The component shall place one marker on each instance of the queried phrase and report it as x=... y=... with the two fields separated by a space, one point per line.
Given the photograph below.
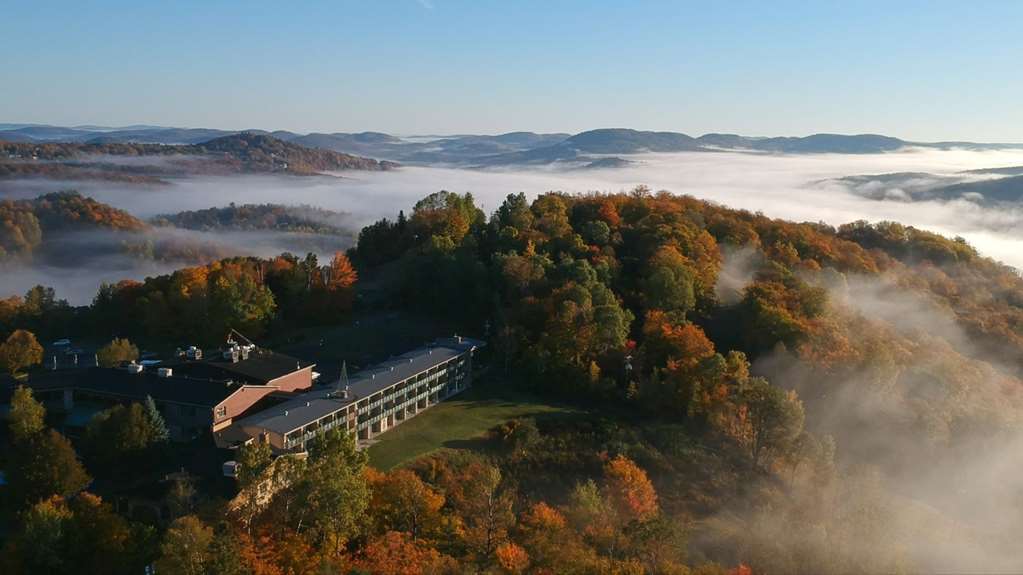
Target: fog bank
x=794 y=187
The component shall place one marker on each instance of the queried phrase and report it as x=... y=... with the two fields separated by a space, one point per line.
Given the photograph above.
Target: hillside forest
x=762 y=396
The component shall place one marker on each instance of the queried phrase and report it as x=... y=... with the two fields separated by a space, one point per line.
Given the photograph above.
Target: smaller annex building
x=192 y=393
x=371 y=402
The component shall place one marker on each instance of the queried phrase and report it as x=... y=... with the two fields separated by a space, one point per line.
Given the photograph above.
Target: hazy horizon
x=408 y=135
x=449 y=66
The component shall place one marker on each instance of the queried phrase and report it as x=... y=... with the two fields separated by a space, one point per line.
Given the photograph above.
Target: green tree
x=775 y=417
x=45 y=466
x=514 y=213
x=120 y=431
x=186 y=547
x=21 y=350
x=99 y=540
x=486 y=506
x=592 y=513
x=334 y=489
x=237 y=301
x=253 y=459
x=658 y=542
x=156 y=420
x=40 y=300
x=26 y=419
x=37 y=548
x=117 y=351
x=612 y=326
x=225 y=553
x=669 y=283
x=81 y=534
x=444 y=214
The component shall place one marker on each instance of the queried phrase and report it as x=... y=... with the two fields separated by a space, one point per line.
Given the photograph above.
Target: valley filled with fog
x=799 y=187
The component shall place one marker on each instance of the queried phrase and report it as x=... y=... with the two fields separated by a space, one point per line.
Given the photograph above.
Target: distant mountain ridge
x=621 y=141
x=245 y=152
x=988 y=186
x=510 y=149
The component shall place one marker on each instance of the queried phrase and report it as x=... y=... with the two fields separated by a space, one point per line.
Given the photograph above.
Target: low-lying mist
x=928 y=437
x=77 y=263
x=795 y=187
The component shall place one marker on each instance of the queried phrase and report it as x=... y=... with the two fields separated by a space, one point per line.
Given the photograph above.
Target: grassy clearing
x=457 y=422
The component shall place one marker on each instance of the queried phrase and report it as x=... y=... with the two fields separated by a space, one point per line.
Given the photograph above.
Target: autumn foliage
x=629 y=490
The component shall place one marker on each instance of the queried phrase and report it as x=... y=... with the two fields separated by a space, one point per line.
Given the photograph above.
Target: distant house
x=373 y=401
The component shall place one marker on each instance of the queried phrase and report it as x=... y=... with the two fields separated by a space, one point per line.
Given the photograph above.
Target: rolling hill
x=151 y=163
x=470 y=150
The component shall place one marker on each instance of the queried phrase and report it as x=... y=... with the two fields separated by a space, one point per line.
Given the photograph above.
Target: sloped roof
x=314 y=405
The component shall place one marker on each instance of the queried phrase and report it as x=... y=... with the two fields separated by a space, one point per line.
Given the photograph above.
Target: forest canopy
x=768 y=395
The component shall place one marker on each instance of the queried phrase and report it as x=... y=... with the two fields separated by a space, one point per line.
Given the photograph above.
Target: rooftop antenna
x=231 y=335
x=342 y=380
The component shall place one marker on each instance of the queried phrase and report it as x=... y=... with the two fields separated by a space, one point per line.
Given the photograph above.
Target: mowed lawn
x=454 y=423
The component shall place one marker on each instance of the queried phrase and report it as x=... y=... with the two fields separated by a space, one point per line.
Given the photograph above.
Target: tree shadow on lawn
x=483 y=442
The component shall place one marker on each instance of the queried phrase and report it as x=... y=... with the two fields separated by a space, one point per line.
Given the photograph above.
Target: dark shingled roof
x=135 y=386
x=260 y=368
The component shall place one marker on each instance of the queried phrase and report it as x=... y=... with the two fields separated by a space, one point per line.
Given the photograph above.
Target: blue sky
x=919 y=70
